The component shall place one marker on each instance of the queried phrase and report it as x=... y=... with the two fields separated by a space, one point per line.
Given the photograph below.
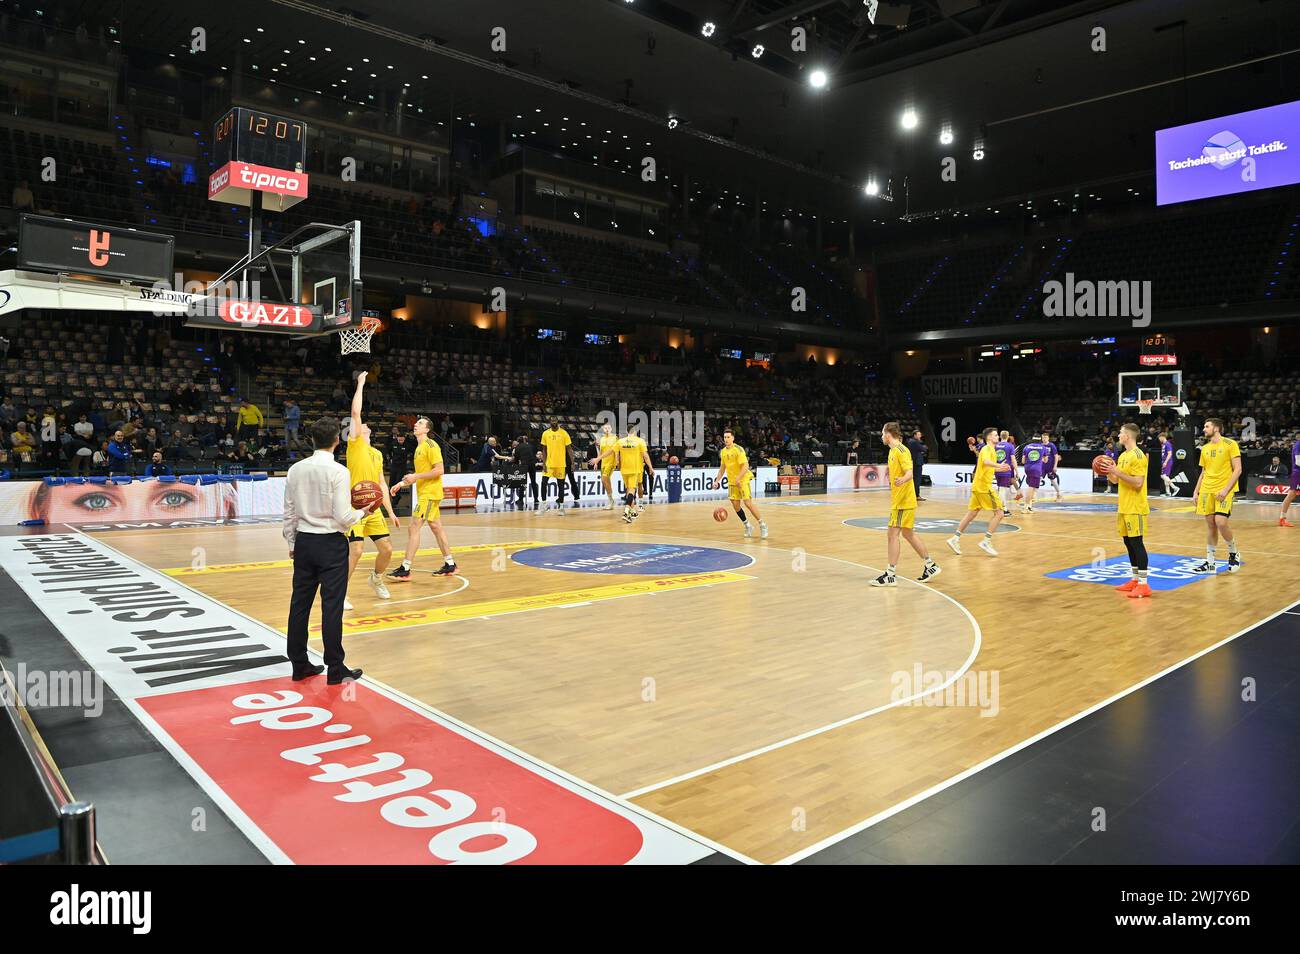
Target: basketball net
x=357 y=340
x=1144 y=407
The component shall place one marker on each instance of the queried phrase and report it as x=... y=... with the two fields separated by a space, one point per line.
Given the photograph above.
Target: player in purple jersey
x=1006 y=479
x=1167 y=465
x=1051 y=459
x=1111 y=451
x=1295 y=483
x=1033 y=457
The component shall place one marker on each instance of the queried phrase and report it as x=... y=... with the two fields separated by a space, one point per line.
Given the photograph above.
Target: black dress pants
x=320 y=561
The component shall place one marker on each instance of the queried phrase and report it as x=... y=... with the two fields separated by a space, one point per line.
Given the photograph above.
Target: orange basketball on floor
x=1099 y=465
x=720 y=514
x=366 y=493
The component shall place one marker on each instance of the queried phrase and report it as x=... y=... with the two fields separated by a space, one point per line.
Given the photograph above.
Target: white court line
x=934 y=790
x=263 y=842
x=434 y=596
x=782 y=743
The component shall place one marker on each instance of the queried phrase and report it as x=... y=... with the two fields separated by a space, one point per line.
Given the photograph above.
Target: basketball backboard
x=1163 y=388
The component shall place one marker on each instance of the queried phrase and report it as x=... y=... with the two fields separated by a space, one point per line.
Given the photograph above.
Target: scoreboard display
x=260 y=139
x=1158 y=351
x=258 y=158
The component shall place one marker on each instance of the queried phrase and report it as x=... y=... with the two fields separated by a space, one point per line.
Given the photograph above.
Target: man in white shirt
x=318 y=513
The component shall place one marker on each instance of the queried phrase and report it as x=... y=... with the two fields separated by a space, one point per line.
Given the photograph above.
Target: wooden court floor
x=776 y=702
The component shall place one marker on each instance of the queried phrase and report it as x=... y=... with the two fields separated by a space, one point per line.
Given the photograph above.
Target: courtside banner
x=313 y=773
x=1073 y=480
x=857 y=477
x=697 y=484
x=143 y=503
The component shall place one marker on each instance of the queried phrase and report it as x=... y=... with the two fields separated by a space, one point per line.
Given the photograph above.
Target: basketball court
x=659 y=663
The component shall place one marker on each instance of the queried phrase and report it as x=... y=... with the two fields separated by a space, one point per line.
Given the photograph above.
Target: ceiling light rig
x=818 y=78
x=945 y=135
x=757 y=51
x=709 y=28
x=673 y=122
x=909 y=119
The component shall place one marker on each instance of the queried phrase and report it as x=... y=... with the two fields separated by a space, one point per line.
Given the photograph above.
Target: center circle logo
x=628 y=558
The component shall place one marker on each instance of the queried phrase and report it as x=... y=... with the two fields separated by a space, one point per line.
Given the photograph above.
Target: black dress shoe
x=307 y=672
x=343 y=675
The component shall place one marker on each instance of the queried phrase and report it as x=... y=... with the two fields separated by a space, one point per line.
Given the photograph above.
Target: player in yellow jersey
x=555 y=441
x=735 y=463
x=632 y=456
x=605 y=441
x=366 y=463
x=982 y=496
x=902 y=508
x=1130 y=473
x=426 y=502
x=1220 y=472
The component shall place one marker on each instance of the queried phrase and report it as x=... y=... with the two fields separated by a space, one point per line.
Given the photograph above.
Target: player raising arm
x=364 y=462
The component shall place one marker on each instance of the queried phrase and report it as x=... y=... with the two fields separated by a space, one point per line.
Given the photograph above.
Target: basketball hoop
x=357 y=340
x=1144 y=407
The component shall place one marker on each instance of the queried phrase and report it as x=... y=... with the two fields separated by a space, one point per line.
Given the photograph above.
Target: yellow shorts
x=555 y=472
x=1131 y=524
x=631 y=480
x=607 y=467
x=903 y=518
x=739 y=492
x=1209 y=503
x=372 y=526
x=984 y=500
x=427 y=508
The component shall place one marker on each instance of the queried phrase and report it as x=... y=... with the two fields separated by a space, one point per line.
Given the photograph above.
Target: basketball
x=673 y=459
x=970 y=442
x=1099 y=465
x=366 y=493
x=720 y=514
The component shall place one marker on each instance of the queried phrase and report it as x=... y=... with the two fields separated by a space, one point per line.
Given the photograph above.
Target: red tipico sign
x=370 y=781
x=246 y=176
x=255 y=313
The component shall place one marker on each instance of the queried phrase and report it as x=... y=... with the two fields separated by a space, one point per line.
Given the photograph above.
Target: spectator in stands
x=242 y=454
x=83 y=428
x=1275 y=468
x=156 y=467
x=8 y=412
x=23 y=200
x=175 y=449
x=119 y=453
x=250 y=419
x=292 y=422
x=22 y=441
x=101 y=458
x=148 y=442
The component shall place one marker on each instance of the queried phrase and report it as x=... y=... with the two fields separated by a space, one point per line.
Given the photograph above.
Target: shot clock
x=256 y=151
